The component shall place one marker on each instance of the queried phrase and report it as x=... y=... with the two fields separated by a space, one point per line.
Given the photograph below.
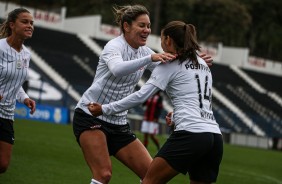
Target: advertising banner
x=43 y=113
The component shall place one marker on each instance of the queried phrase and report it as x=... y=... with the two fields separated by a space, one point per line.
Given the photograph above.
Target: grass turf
x=48 y=153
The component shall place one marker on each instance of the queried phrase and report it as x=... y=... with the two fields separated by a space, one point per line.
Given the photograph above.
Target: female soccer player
x=120 y=67
x=14 y=64
x=196 y=146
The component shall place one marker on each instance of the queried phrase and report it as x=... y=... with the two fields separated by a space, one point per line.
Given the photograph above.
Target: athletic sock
x=95 y=182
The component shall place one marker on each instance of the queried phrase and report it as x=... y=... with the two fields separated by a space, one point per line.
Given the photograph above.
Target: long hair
x=5 y=30
x=185 y=39
x=128 y=14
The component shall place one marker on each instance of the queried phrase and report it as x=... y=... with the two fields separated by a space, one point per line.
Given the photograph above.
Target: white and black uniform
x=189 y=88
x=195 y=146
x=13 y=72
x=119 y=70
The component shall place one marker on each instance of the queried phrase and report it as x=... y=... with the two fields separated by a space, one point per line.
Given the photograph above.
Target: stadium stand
x=259 y=107
x=66 y=54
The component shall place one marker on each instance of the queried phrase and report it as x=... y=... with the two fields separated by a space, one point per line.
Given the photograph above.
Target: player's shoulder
x=3 y=44
x=26 y=49
x=117 y=42
x=201 y=61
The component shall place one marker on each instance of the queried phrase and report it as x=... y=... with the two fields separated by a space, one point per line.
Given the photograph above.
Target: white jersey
x=13 y=72
x=189 y=88
x=119 y=70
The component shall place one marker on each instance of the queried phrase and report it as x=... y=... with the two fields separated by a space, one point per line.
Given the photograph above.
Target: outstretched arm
x=126 y=103
x=121 y=68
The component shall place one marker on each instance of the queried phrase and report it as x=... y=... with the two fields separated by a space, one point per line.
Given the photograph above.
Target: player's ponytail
x=185 y=40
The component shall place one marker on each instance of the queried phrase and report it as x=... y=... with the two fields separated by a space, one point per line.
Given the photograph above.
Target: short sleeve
x=161 y=76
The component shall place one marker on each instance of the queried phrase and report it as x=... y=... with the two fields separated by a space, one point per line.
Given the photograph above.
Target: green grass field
x=46 y=153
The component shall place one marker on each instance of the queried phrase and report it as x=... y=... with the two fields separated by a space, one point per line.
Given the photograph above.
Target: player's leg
x=136 y=157
x=159 y=172
x=5 y=155
x=145 y=140
x=6 y=143
x=145 y=131
x=155 y=140
x=154 y=130
x=94 y=146
x=93 y=142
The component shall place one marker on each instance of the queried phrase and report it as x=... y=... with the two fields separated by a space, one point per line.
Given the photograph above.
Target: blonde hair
x=5 y=30
x=128 y=14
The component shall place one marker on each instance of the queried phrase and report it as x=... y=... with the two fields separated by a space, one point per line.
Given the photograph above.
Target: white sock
x=95 y=182
x=140 y=181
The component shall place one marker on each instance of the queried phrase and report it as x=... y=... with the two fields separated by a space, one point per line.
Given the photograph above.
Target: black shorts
x=7 y=133
x=196 y=154
x=117 y=136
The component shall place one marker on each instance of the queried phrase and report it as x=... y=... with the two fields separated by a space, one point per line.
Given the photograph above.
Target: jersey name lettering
x=192 y=66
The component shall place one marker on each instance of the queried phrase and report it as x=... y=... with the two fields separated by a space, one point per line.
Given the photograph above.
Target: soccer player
x=150 y=123
x=14 y=64
x=195 y=147
x=121 y=65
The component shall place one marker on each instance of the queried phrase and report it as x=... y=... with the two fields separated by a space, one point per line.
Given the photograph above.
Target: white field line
x=247 y=174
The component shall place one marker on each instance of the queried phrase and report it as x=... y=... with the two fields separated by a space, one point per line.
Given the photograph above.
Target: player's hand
x=168 y=119
x=208 y=59
x=30 y=104
x=95 y=109
x=162 y=57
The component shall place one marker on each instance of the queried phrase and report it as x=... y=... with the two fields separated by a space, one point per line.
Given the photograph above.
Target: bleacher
x=62 y=50
x=262 y=110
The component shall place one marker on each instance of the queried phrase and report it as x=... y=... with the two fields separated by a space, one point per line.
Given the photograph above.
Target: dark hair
x=185 y=39
x=5 y=30
x=128 y=14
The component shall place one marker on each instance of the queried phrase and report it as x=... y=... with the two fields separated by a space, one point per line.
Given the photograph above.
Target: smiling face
x=137 y=33
x=23 y=26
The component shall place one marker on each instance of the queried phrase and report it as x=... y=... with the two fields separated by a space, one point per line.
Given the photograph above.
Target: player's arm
x=24 y=98
x=128 y=102
x=119 y=67
x=21 y=95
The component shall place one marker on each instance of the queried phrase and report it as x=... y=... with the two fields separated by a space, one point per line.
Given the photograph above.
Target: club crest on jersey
x=19 y=64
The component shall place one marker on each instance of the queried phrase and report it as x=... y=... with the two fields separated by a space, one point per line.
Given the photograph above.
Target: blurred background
x=244 y=37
